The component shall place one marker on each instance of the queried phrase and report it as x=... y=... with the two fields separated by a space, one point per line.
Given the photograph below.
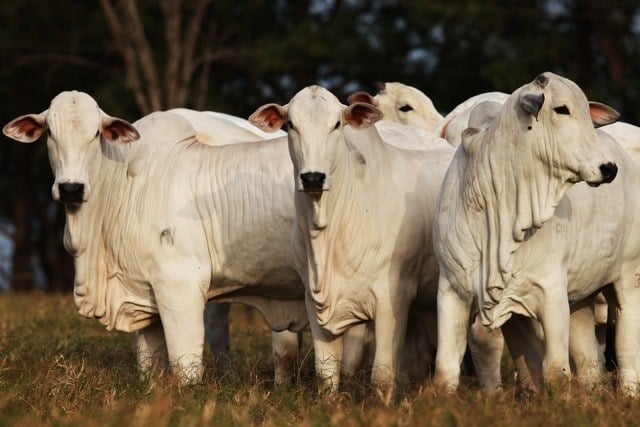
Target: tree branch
x=190 y=43
x=144 y=55
x=128 y=56
x=175 y=55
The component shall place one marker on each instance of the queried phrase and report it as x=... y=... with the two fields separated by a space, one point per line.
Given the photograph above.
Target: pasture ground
x=58 y=368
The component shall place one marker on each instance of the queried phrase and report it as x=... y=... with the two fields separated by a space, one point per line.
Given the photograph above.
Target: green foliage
x=57 y=368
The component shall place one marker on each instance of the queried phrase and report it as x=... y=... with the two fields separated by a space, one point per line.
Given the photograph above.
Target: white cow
x=362 y=232
x=214 y=128
x=486 y=348
x=513 y=234
x=161 y=225
x=486 y=105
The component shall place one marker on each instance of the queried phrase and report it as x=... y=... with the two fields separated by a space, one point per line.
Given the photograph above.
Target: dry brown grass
x=59 y=368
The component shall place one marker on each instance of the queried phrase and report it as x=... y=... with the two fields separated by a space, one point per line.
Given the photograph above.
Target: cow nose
x=609 y=172
x=71 y=192
x=313 y=180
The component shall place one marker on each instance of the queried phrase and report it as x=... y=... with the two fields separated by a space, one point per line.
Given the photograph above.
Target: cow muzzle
x=313 y=181
x=71 y=193
x=607 y=173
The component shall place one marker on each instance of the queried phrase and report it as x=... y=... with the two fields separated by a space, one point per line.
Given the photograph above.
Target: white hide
x=363 y=242
x=168 y=223
x=514 y=234
x=409 y=137
x=451 y=127
x=407 y=105
x=214 y=128
x=485 y=347
x=627 y=135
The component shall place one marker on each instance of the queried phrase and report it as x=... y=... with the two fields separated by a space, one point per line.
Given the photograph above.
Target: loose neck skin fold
x=326 y=212
x=511 y=191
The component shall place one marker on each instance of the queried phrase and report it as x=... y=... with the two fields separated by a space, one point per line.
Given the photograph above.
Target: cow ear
x=443 y=128
x=483 y=114
x=27 y=128
x=269 y=117
x=532 y=103
x=471 y=140
x=118 y=131
x=361 y=115
x=602 y=114
x=362 y=97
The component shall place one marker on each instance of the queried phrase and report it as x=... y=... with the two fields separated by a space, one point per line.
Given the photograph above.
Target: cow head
x=556 y=124
x=314 y=118
x=406 y=105
x=74 y=125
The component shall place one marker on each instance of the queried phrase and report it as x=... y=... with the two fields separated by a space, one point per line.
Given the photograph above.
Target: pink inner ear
x=362 y=115
x=26 y=129
x=29 y=128
x=602 y=114
x=361 y=97
x=443 y=132
x=270 y=118
x=119 y=131
x=273 y=118
x=109 y=134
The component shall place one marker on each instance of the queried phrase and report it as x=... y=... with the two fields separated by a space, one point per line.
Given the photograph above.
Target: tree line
x=138 y=56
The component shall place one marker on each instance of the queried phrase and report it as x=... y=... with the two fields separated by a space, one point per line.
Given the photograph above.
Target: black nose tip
x=313 y=181
x=609 y=172
x=71 y=192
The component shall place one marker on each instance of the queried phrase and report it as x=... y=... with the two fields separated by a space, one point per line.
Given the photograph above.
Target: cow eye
x=562 y=110
x=97 y=133
x=337 y=125
x=290 y=126
x=48 y=132
x=406 y=108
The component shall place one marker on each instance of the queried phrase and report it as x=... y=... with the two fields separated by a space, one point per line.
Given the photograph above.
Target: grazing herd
x=382 y=225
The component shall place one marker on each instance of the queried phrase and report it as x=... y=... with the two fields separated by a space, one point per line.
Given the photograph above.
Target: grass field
x=57 y=368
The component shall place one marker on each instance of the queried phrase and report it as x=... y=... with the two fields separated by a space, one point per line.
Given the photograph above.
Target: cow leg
x=583 y=345
x=327 y=352
x=181 y=307
x=628 y=332
x=285 y=346
x=216 y=319
x=486 y=351
x=151 y=349
x=390 y=327
x=453 y=323
x=601 y=311
x=354 y=348
x=554 y=317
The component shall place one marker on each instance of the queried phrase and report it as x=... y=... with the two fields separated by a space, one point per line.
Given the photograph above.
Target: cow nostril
x=71 y=192
x=609 y=172
x=313 y=180
x=313 y=177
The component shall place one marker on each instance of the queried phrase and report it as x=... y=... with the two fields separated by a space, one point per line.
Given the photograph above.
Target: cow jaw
x=319 y=218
